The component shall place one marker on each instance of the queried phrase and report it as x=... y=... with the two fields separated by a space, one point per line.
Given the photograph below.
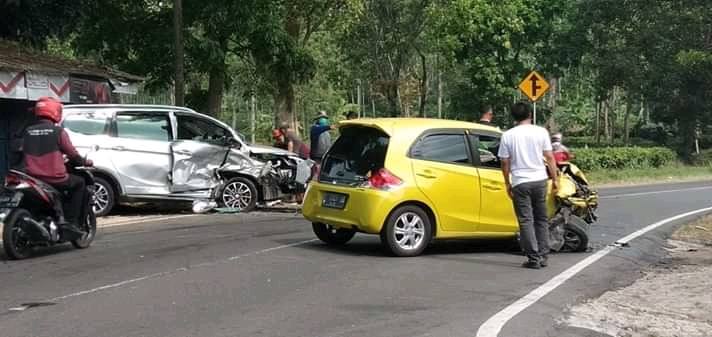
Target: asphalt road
x=264 y=275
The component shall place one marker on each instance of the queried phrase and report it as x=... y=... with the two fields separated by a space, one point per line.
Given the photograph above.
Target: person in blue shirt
x=320 y=136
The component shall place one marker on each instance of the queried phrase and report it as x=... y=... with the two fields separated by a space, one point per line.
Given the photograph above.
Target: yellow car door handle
x=426 y=175
x=493 y=187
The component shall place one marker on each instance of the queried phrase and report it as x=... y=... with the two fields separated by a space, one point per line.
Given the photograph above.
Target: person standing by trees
x=320 y=137
x=522 y=150
x=293 y=143
x=486 y=117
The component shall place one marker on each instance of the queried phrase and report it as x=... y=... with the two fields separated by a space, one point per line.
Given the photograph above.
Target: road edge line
x=493 y=325
x=148 y=219
x=164 y=273
x=616 y=196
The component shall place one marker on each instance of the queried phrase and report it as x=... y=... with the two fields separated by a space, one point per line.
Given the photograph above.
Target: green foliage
x=583 y=142
x=31 y=22
x=617 y=68
x=704 y=158
x=614 y=158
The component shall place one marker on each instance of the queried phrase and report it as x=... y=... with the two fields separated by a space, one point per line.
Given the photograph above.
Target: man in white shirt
x=523 y=151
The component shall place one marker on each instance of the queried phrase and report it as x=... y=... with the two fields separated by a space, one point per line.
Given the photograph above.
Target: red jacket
x=43 y=145
x=561 y=156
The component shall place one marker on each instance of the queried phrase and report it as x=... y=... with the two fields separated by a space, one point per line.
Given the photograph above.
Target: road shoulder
x=674 y=293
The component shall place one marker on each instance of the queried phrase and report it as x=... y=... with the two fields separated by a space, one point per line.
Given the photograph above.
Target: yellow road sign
x=534 y=86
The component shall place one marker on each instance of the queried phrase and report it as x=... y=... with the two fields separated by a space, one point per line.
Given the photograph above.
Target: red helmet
x=49 y=107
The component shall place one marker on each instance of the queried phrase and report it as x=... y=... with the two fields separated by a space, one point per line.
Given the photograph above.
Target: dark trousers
x=530 y=206
x=75 y=186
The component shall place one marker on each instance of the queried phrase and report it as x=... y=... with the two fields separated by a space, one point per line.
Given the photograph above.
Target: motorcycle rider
x=44 y=143
x=561 y=152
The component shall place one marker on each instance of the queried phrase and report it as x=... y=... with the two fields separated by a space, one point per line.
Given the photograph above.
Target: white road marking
x=654 y=192
x=151 y=276
x=494 y=324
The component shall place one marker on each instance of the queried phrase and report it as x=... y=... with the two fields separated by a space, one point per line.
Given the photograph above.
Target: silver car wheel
x=409 y=231
x=101 y=198
x=237 y=195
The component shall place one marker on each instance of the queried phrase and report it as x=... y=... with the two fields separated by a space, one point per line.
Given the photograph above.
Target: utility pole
x=179 y=87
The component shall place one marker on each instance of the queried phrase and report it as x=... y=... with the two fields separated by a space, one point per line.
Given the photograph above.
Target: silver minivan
x=158 y=152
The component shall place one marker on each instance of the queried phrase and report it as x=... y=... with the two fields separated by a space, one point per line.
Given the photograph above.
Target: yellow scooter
x=572 y=210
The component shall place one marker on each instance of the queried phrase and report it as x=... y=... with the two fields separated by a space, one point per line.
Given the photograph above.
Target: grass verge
x=699 y=231
x=653 y=175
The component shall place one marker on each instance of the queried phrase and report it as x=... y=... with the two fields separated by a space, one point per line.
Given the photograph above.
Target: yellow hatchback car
x=411 y=180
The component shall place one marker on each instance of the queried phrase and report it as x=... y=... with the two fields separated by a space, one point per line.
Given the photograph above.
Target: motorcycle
x=29 y=215
x=575 y=205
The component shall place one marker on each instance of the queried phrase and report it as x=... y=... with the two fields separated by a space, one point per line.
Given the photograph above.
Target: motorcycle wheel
x=89 y=227
x=575 y=235
x=16 y=248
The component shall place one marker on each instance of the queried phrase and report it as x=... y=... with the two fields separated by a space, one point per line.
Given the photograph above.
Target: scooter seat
x=43 y=185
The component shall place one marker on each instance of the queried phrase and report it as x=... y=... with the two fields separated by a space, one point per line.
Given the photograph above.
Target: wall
x=14 y=117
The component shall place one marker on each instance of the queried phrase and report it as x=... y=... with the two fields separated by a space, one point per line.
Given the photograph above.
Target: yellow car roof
x=415 y=125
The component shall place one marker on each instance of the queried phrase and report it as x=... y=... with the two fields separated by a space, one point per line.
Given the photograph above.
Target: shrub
x=587 y=141
x=624 y=158
x=704 y=158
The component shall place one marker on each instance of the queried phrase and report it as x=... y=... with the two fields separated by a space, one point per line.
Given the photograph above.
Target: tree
x=496 y=42
x=280 y=49
x=32 y=22
x=383 y=39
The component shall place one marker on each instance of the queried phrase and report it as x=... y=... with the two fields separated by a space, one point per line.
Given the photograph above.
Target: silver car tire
x=240 y=193
x=104 y=197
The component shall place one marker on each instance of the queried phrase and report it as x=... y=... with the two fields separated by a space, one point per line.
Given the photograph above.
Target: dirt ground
x=670 y=301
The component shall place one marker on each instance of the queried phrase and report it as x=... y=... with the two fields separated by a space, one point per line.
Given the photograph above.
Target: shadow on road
x=40 y=252
x=151 y=209
x=373 y=248
x=175 y=208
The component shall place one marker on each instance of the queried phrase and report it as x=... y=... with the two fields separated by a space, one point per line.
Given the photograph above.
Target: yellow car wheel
x=407 y=231
x=332 y=236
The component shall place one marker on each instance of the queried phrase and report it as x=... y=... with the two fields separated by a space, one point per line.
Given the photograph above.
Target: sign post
x=534 y=86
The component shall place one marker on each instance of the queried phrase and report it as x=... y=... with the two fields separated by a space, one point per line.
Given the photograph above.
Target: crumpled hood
x=267 y=149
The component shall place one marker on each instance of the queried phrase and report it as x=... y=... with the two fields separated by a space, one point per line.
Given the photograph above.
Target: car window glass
x=201 y=130
x=487 y=147
x=357 y=152
x=448 y=148
x=143 y=125
x=87 y=123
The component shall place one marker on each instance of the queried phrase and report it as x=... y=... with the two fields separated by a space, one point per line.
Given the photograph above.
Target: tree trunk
x=551 y=121
x=598 y=120
x=626 y=125
x=424 y=92
x=440 y=90
x=358 y=97
x=216 y=89
x=392 y=96
x=613 y=114
x=252 y=117
x=606 y=109
x=179 y=87
x=373 y=105
x=284 y=106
